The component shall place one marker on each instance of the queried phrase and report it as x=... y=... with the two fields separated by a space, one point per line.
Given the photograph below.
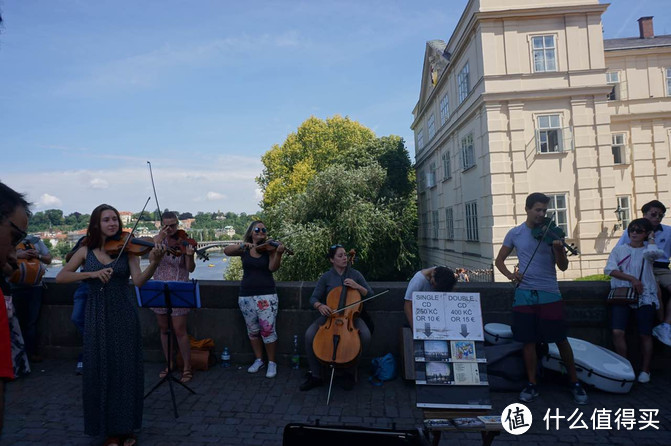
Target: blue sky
x=92 y=89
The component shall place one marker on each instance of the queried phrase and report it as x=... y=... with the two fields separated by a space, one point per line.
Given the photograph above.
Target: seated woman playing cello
x=340 y=275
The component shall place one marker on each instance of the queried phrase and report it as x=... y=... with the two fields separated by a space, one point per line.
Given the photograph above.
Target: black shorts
x=645 y=317
x=539 y=323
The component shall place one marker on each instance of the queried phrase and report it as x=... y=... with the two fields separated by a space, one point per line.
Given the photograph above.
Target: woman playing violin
x=113 y=373
x=174 y=268
x=339 y=275
x=258 y=296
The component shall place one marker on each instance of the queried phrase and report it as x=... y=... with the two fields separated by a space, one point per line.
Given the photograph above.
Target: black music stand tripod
x=168 y=295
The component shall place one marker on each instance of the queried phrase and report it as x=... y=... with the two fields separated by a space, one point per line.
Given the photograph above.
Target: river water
x=210 y=270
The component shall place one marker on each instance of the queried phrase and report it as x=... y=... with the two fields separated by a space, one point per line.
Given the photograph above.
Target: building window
x=449 y=224
x=668 y=81
x=432 y=126
x=467 y=153
x=435 y=223
x=557 y=205
x=463 y=83
x=420 y=139
x=618 y=148
x=444 y=109
x=613 y=78
x=422 y=180
x=548 y=134
x=472 y=221
x=425 y=224
x=447 y=166
x=544 y=53
x=623 y=206
x=431 y=176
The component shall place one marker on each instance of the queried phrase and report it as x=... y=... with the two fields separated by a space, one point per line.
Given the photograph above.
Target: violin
x=271 y=245
x=136 y=246
x=548 y=232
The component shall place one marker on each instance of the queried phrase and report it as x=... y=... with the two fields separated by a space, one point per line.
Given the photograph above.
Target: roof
x=636 y=42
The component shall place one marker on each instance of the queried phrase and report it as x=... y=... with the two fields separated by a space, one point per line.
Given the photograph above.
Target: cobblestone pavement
x=233 y=407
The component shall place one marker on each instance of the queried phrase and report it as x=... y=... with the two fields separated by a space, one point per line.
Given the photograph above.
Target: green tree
x=316 y=145
x=55 y=217
x=345 y=206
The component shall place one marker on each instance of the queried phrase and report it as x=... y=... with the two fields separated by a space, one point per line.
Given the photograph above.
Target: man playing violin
x=174 y=268
x=538 y=309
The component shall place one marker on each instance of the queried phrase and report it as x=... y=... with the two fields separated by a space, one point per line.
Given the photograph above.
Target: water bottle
x=295 y=357
x=225 y=358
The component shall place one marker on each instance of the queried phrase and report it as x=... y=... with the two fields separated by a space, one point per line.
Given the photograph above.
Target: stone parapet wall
x=220 y=319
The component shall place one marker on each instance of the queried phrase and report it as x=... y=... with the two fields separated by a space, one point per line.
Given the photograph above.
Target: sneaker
x=529 y=393
x=663 y=333
x=644 y=377
x=80 y=368
x=310 y=383
x=579 y=394
x=272 y=370
x=256 y=366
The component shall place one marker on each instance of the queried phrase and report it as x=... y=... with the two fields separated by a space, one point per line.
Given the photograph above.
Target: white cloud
x=212 y=196
x=47 y=200
x=99 y=183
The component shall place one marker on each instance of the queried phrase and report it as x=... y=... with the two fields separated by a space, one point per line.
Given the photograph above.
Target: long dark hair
x=248 y=234
x=94 y=236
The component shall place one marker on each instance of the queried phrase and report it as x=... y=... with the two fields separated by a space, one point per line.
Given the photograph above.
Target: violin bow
x=547 y=228
x=158 y=206
x=125 y=243
x=360 y=301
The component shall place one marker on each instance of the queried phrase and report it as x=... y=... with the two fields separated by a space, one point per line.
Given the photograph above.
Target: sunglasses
x=656 y=214
x=638 y=231
x=337 y=246
x=257 y=230
x=20 y=236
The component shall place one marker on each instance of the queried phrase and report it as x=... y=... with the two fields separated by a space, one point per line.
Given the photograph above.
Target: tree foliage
x=316 y=145
x=361 y=196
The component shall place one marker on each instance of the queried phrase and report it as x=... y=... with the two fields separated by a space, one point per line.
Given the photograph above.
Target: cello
x=337 y=342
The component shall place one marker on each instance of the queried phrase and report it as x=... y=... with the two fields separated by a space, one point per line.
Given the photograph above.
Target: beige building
x=527 y=96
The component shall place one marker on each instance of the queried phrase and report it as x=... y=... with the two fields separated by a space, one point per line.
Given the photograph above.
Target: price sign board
x=450 y=316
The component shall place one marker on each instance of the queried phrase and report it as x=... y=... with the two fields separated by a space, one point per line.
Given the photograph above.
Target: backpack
x=383 y=369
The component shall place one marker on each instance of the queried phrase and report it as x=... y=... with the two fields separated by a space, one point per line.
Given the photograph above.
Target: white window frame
x=545 y=130
x=467 y=152
x=668 y=81
x=449 y=223
x=464 y=83
x=444 y=109
x=435 y=224
x=544 y=53
x=420 y=139
x=558 y=205
x=619 y=148
x=447 y=166
x=431 y=125
x=613 y=78
x=471 y=221
x=624 y=203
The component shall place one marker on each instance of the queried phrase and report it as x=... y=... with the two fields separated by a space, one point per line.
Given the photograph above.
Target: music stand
x=169 y=295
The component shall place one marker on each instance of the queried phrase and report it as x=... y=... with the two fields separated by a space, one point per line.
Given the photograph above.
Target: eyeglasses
x=638 y=231
x=21 y=234
x=257 y=230
x=656 y=214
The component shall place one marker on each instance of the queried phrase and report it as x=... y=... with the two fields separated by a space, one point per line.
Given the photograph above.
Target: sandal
x=130 y=440
x=164 y=373
x=187 y=375
x=112 y=441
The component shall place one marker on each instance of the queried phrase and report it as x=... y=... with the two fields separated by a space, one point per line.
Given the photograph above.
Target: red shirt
x=6 y=367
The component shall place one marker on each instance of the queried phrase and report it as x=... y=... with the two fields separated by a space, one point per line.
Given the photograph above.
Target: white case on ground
x=496 y=333
x=595 y=366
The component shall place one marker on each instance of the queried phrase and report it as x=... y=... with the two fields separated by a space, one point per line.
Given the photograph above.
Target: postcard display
x=450 y=365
